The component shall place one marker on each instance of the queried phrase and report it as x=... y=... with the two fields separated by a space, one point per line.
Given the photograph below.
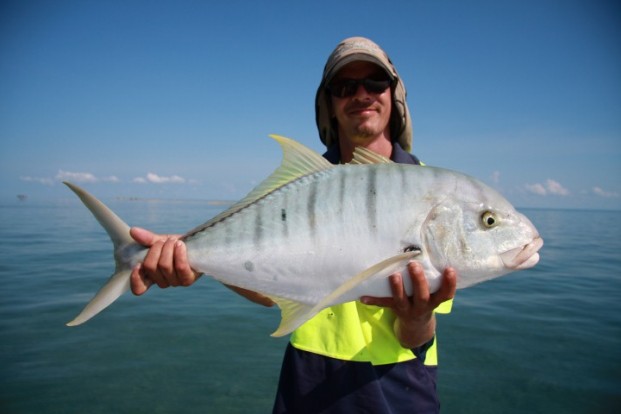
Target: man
x=376 y=355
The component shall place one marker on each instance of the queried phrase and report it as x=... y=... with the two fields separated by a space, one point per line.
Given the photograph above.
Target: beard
x=365 y=130
x=364 y=126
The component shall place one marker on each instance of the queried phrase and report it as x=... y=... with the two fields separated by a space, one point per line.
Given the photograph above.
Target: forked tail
x=126 y=255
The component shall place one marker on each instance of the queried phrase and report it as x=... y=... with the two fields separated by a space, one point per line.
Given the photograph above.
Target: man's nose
x=361 y=93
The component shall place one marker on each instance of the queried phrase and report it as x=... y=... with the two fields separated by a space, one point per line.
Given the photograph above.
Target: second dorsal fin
x=366 y=156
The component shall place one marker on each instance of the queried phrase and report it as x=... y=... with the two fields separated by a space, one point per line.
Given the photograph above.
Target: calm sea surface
x=545 y=340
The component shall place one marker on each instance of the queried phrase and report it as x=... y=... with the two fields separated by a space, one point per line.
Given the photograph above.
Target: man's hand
x=166 y=263
x=415 y=323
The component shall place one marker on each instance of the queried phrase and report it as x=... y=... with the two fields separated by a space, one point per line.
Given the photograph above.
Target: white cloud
x=40 y=180
x=603 y=193
x=549 y=187
x=86 y=177
x=154 y=178
x=158 y=179
x=78 y=177
x=538 y=189
x=554 y=187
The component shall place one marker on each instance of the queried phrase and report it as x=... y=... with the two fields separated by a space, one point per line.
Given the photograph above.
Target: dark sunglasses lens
x=376 y=86
x=348 y=87
x=343 y=88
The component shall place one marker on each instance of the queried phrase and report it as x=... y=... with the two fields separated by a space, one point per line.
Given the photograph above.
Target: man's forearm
x=252 y=296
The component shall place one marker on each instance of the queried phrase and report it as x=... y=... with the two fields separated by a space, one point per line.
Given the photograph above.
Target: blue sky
x=175 y=99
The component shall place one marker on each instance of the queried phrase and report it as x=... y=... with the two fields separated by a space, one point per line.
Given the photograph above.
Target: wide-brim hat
x=356 y=49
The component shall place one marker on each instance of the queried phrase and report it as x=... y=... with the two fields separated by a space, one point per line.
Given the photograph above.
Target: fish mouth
x=523 y=257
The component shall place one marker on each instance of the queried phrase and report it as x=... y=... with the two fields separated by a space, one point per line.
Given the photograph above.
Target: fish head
x=478 y=232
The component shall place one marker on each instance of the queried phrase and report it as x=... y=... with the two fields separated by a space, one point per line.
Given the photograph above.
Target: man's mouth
x=361 y=110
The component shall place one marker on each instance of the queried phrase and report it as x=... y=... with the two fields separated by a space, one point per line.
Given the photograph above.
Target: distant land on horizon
x=25 y=199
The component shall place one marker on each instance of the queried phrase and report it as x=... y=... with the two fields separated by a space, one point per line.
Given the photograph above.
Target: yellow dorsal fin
x=298 y=161
x=366 y=156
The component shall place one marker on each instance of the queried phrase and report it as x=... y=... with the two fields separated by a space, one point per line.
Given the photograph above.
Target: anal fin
x=293 y=314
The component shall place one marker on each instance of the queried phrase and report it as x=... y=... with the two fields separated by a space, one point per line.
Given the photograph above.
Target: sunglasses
x=344 y=88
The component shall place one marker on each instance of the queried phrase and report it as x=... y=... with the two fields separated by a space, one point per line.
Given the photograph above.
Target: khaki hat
x=356 y=49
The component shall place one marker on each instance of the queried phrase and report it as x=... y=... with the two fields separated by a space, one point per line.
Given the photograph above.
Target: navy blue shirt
x=311 y=383
x=399 y=155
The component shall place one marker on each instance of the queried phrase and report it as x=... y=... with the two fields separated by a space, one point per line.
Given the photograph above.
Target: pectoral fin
x=294 y=314
x=381 y=269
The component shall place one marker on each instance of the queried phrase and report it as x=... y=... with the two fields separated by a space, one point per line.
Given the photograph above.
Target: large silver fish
x=315 y=234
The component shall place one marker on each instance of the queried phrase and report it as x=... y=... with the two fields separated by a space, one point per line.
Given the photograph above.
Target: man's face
x=364 y=115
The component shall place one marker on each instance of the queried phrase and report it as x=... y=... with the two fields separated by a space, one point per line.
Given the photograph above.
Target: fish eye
x=489 y=219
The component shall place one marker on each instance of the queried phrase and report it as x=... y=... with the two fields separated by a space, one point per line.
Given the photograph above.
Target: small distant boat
x=22 y=197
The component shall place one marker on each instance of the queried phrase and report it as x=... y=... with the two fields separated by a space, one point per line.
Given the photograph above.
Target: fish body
x=313 y=234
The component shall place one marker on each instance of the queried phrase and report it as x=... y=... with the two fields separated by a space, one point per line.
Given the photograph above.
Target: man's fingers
x=165 y=265
x=420 y=300
x=185 y=274
x=148 y=238
x=420 y=287
x=138 y=281
x=374 y=301
x=144 y=237
x=150 y=265
x=398 y=294
x=447 y=288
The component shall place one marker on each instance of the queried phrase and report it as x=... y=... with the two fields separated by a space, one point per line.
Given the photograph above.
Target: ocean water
x=545 y=340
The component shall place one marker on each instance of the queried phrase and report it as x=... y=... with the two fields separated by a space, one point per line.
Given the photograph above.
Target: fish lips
x=523 y=257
